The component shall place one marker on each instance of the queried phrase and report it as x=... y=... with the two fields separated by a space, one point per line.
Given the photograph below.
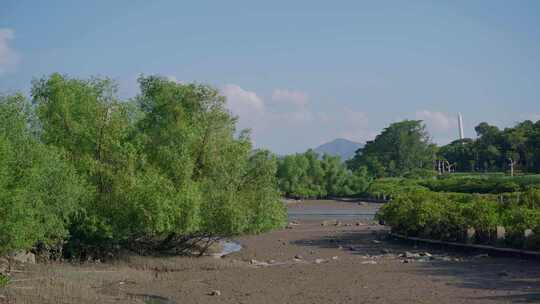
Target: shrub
x=39 y=190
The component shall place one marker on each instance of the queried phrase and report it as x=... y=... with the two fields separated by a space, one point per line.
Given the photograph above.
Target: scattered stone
x=320 y=261
x=215 y=293
x=259 y=263
x=329 y=223
x=411 y=255
x=338 y=223
x=370 y=262
x=24 y=257
x=348 y=225
x=446 y=259
x=335 y=258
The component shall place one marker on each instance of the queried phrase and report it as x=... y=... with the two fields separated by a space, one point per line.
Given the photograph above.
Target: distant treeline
x=405 y=149
x=81 y=169
x=308 y=175
x=495 y=149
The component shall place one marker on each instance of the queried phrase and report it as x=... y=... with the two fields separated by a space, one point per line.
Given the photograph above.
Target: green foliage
x=446 y=216
x=4 y=280
x=401 y=148
x=40 y=191
x=307 y=175
x=494 y=149
x=482 y=184
x=83 y=166
x=387 y=188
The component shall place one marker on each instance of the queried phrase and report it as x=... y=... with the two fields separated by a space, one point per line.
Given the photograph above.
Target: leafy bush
x=4 y=280
x=446 y=216
x=482 y=184
x=39 y=190
x=82 y=166
x=306 y=175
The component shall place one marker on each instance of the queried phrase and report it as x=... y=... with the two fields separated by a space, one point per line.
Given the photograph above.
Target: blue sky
x=298 y=73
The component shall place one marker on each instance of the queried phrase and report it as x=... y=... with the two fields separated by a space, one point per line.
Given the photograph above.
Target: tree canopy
x=401 y=148
x=494 y=149
x=101 y=171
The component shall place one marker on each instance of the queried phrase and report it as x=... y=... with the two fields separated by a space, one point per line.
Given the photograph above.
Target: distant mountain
x=342 y=147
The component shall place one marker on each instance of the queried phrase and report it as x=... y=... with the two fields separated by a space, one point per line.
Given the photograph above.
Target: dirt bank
x=310 y=263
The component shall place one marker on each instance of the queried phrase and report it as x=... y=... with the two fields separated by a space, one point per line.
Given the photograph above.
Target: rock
x=370 y=262
x=411 y=255
x=405 y=261
x=335 y=258
x=329 y=223
x=294 y=223
x=446 y=259
x=362 y=204
x=426 y=254
x=338 y=223
x=299 y=257
x=258 y=263
x=24 y=257
x=376 y=242
x=385 y=251
x=215 y=293
x=320 y=261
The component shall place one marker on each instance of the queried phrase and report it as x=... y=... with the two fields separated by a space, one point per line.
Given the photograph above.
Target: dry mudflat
x=310 y=261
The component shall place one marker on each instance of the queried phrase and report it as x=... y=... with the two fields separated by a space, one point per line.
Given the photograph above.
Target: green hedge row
x=447 y=216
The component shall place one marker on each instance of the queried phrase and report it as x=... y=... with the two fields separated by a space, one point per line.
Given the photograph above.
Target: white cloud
x=8 y=57
x=292 y=128
x=242 y=101
x=247 y=105
x=297 y=98
x=437 y=121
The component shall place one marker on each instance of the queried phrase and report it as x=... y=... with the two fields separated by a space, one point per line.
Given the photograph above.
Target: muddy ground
x=352 y=262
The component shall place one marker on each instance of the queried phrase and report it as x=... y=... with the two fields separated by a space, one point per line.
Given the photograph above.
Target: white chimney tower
x=460 y=126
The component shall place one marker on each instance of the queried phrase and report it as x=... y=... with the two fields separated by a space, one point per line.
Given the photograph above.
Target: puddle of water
x=227 y=247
